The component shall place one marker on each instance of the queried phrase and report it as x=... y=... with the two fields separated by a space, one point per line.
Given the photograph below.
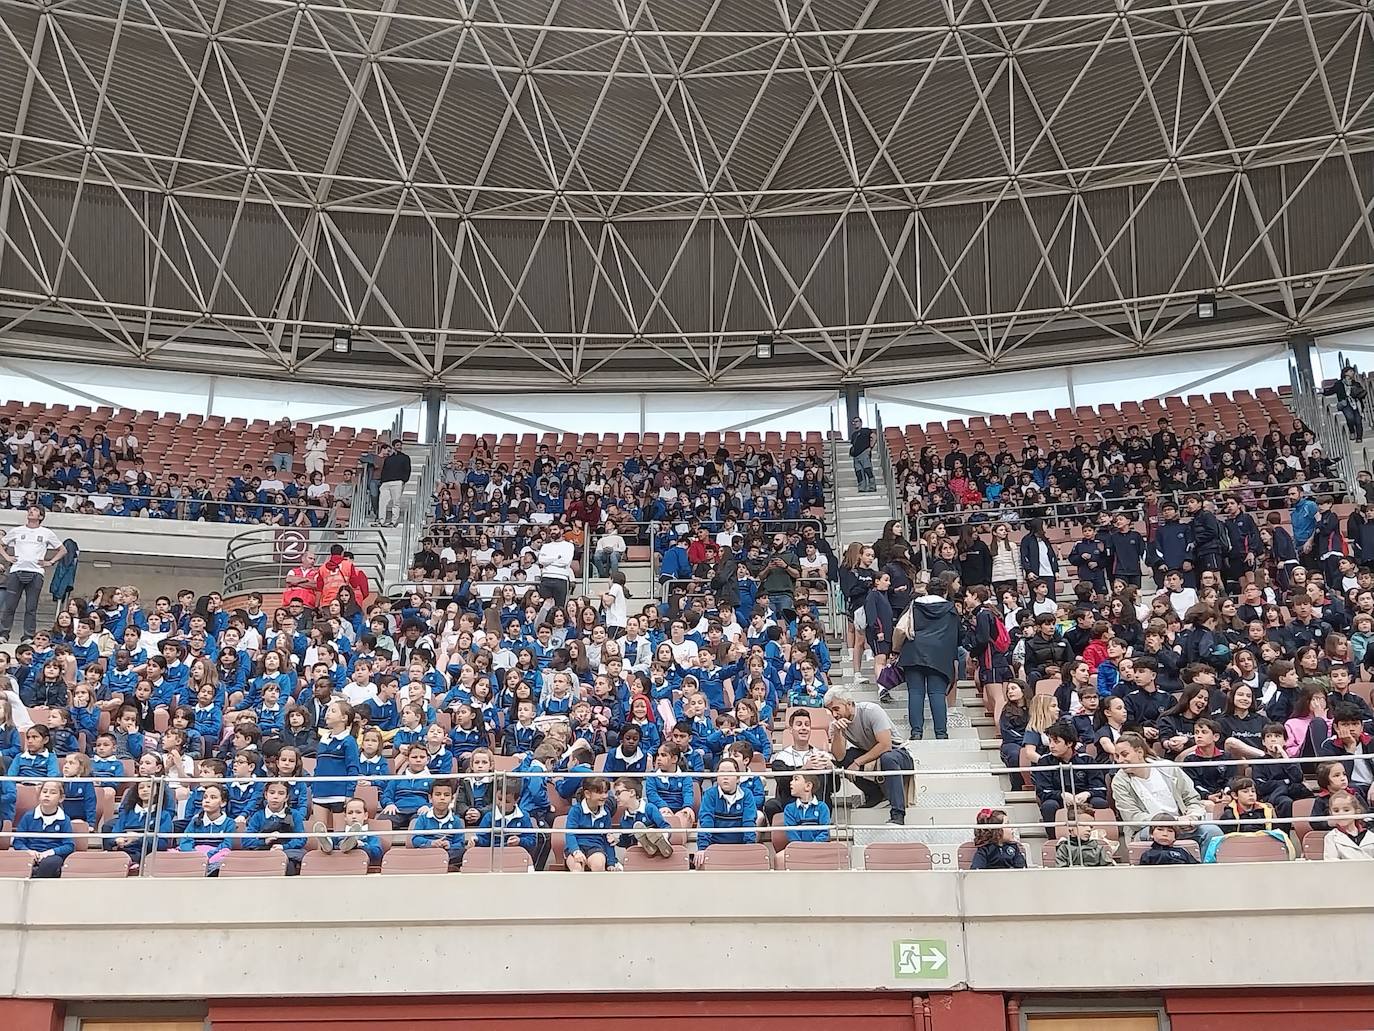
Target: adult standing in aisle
x=555 y=566
x=394 y=475
x=29 y=550
x=861 y=451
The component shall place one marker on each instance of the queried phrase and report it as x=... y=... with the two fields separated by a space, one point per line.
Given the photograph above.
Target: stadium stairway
x=859 y=516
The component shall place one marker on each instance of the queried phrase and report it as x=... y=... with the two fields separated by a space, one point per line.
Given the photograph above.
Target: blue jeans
x=283 y=460
x=920 y=683
x=863 y=470
x=606 y=562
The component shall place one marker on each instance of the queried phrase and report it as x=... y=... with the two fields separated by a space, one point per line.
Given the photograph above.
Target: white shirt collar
x=49 y=820
x=732 y=799
x=596 y=815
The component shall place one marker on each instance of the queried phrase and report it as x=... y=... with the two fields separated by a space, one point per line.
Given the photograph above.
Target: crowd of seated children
x=482 y=507
x=115 y=476
x=229 y=709
x=1059 y=478
x=1254 y=646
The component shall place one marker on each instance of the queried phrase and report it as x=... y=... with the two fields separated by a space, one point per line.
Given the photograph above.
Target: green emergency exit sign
x=920 y=957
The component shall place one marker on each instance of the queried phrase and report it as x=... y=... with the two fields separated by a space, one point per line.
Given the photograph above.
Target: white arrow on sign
x=934 y=960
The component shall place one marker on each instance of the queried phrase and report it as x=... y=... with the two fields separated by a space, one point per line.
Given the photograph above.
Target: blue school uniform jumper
x=36 y=766
x=802 y=820
x=152 y=832
x=38 y=832
x=727 y=819
x=644 y=816
x=80 y=803
x=430 y=831
x=336 y=769
x=409 y=795
x=498 y=826
x=585 y=831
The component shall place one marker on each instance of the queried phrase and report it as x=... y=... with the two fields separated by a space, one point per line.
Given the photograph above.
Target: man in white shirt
x=29 y=552
x=555 y=566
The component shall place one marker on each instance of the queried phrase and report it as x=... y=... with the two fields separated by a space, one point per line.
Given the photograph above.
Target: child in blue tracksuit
x=79 y=801
x=356 y=834
x=336 y=759
x=276 y=826
x=728 y=814
x=208 y=829
x=440 y=825
x=667 y=790
x=806 y=817
x=244 y=792
x=403 y=798
x=587 y=838
x=34 y=764
x=505 y=824
x=626 y=757
x=139 y=827
x=106 y=765
x=41 y=831
x=643 y=824
x=578 y=761
x=534 y=795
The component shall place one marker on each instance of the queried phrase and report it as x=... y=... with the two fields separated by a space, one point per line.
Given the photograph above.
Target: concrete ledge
x=531 y=933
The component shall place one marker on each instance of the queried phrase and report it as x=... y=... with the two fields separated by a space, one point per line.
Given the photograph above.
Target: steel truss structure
x=623 y=194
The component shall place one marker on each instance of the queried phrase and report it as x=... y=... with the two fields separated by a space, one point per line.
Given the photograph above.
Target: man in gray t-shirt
x=863 y=733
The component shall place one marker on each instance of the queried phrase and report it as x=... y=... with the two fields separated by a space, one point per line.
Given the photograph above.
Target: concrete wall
x=159 y=556
x=1041 y=930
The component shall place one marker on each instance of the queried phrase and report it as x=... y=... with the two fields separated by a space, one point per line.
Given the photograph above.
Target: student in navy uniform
x=728 y=813
x=667 y=790
x=336 y=759
x=140 y=826
x=995 y=844
x=44 y=831
x=626 y=757
x=644 y=825
x=1162 y=850
x=1125 y=550
x=806 y=817
x=1279 y=784
x=1062 y=779
x=79 y=801
x=277 y=827
x=439 y=825
x=404 y=797
x=355 y=834
x=34 y=764
x=1172 y=546
x=505 y=824
x=210 y=830
x=1088 y=556
x=587 y=843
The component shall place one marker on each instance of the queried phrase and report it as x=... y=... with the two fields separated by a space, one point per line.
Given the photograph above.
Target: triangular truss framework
x=603 y=191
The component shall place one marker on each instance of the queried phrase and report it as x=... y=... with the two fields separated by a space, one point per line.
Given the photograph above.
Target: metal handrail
x=294 y=507
x=259 y=559
x=894 y=507
x=415 y=509
x=1078 y=507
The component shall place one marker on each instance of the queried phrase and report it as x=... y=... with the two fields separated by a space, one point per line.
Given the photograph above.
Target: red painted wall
x=822 y=1012
x=30 y=1015
x=1339 y=1009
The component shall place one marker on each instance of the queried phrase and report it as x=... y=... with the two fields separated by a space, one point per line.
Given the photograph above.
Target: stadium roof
x=558 y=193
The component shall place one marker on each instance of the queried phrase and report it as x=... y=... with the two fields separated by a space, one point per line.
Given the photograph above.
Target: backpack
x=1224 y=536
x=1001 y=640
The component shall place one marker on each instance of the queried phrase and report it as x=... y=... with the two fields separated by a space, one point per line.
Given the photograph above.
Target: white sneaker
x=323 y=841
x=352 y=833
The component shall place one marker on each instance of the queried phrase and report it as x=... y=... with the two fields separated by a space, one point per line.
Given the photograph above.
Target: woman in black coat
x=927 y=643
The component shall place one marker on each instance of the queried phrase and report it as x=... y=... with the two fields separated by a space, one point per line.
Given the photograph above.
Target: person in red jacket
x=338 y=570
